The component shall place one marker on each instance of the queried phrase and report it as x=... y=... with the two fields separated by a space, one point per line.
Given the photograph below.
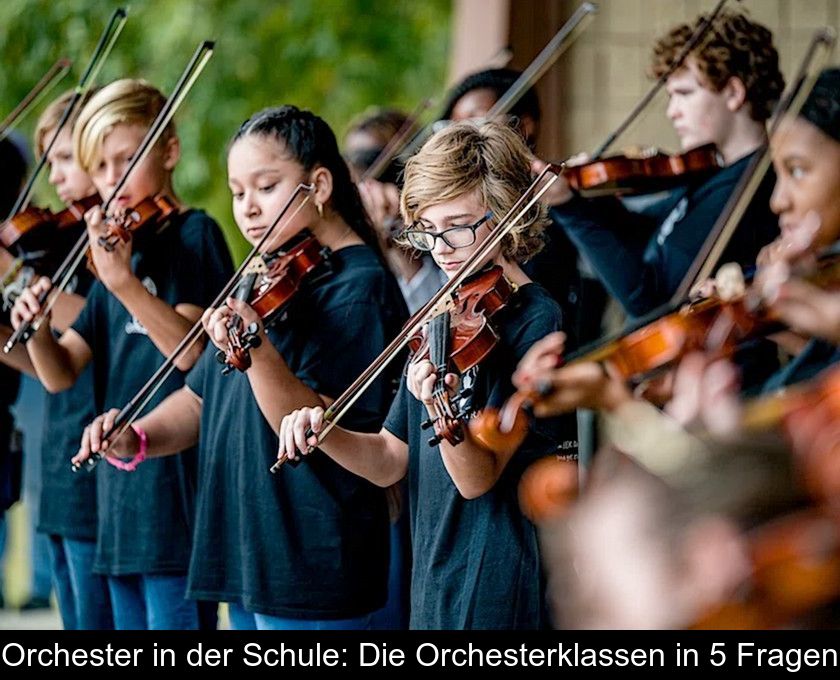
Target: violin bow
x=132 y=410
x=100 y=54
x=561 y=41
x=549 y=54
x=77 y=254
x=49 y=80
x=812 y=62
x=339 y=408
x=692 y=42
x=396 y=143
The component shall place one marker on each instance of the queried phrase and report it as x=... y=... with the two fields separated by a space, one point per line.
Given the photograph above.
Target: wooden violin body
x=146 y=215
x=809 y=416
x=711 y=325
x=645 y=172
x=273 y=285
x=150 y=212
x=38 y=228
x=459 y=339
x=795 y=568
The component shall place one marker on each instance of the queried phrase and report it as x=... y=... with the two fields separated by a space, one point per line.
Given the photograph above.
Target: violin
x=268 y=284
x=714 y=325
x=795 y=564
x=120 y=226
x=27 y=228
x=809 y=416
x=457 y=340
x=645 y=171
x=642 y=352
x=152 y=211
x=548 y=488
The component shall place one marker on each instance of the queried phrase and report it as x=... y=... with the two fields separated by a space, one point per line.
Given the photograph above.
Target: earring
x=320 y=208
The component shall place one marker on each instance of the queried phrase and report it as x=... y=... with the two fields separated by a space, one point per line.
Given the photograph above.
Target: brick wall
x=602 y=76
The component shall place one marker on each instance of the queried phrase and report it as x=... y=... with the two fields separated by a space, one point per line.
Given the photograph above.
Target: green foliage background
x=336 y=57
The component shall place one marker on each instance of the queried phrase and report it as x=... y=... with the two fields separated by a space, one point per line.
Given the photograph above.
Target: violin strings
x=135 y=406
x=345 y=401
x=815 y=57
x=70 y=265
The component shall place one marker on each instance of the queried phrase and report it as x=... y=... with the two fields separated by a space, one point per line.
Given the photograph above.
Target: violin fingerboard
x=439 y=343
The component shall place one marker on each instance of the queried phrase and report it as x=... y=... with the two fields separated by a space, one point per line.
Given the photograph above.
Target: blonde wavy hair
x=488 y=158
x=49 y=118
x=123 y=102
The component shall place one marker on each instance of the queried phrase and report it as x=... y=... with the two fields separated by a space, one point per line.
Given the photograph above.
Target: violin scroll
x=503 y=430
x=240 y=343
x=150 y=211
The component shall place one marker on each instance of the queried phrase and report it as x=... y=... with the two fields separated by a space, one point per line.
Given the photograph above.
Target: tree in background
x=336 y=57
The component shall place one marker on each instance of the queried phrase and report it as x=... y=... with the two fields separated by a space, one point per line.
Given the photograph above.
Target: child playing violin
x=72 y=184
x=806 y=158
x=806 y=155
x=308 y=548
x=723 y=93
x=555 y=266
x=150 y=290
x=476 y=562
x=67 y=507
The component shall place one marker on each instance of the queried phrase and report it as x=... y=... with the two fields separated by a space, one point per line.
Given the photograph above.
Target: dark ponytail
x=311 y=142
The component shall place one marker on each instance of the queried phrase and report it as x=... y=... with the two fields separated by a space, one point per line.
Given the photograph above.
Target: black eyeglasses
x=454 y=237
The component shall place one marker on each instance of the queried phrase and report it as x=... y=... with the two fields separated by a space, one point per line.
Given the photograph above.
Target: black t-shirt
x=68 y=499
x=9 y=468
x=555 y=268
x=146 y=517
x=476 y=562
x=643 y=256
x=310 y=542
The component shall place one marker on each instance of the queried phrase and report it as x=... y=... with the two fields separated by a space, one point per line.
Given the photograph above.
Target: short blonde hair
x=123 y=102
x=49 y=118
x=489 y=158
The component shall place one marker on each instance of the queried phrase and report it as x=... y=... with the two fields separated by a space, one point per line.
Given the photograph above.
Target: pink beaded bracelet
x=131 y=465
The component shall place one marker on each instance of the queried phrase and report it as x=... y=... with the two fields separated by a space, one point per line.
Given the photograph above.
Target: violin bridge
x=444 y=305
x=256 y=266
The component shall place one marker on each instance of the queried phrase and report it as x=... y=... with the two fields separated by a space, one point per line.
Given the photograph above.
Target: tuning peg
x=106 y=243
x=426 y=424
x=221 y=356
x=434 y=441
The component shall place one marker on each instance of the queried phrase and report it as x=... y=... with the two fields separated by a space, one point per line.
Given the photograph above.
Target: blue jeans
x=394 y=615
x=245 y=620
x=153 y=602
x=29 y=418
x=83 y=598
